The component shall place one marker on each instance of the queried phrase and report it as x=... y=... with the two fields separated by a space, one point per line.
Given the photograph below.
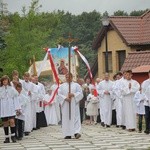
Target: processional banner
x=60 y=58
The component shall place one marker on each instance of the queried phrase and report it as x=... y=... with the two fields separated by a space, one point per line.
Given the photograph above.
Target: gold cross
x=70 y=39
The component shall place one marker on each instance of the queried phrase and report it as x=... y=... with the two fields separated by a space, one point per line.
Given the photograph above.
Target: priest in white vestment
x=106 y=97
x=71 y=126
x=130 y=87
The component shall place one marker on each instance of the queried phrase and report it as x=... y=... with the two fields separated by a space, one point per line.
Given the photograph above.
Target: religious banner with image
x=60 y=58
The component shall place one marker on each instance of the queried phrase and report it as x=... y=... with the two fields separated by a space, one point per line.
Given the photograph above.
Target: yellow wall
x=115 y=43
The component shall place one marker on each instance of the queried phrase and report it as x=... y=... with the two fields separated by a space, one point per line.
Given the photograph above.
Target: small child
x=86 y=92
x=139 y=99
x=50 y=109
x=92 y=107
x=20 y=116
x=9 y=106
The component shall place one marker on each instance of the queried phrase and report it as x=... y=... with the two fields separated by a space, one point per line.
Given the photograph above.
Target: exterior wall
x=140 y=77
x=115 y=44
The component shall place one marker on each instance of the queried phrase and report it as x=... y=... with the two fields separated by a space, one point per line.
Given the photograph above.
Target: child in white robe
x=9 y=106
x=92 y=107
x=29 y=88
x=139 y=99
x=20 y=117
x=50 y=109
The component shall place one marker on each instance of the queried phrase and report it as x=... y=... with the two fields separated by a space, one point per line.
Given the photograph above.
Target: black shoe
x=26 y=133
x=13 y=138
x=117 y=126
x=107 y=126
x=67 y=137
x=19 y=138
x=123 y=127
x=147 y=132
x=7 y=140
x=77 y=135
x=102 y=124
x=34 y=128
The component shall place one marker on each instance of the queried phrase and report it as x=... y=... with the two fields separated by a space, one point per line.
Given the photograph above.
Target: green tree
x=25 y=39
x=120 y=13
x=138 y=12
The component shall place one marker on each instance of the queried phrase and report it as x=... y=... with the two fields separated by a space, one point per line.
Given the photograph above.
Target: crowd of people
x=25 y=106
x=118 y=102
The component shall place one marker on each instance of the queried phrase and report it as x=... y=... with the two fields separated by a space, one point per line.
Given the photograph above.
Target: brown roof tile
x=135 y=30
x=136 y=59
x=144 y=68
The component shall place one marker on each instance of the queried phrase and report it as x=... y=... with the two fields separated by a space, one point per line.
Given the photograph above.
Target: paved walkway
x=94 y=137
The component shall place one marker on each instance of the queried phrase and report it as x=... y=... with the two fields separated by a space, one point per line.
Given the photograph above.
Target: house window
x=109 y=62
x=121 y=58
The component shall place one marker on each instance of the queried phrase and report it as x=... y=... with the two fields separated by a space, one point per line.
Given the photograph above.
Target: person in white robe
x=29 y=88
x=92 y=107
x=15 y=76
x=88 y=83
x=40 y=115
x=50 y=109
x=130 y=87
x=146 y=83
x=57 y=102
x=20 y=116
x=118 y=98
x=97 y=81
x=9 y=106
x=71 y=123
x=145 y=89
x=106 y=97
x=139 y=99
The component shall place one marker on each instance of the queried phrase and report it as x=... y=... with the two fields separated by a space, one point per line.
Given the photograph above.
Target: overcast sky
x=79 y=6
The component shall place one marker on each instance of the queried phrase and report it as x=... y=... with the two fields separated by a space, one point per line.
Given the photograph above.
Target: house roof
x=141 y=69
x=136 y=59
x=133 y=30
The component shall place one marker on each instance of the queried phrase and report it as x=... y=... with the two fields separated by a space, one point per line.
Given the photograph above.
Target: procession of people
x=25 y=104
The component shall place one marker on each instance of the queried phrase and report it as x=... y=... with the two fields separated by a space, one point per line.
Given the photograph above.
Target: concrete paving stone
x=33 y=145
x=111 y=147
x=76 y=144
x=93 y=138
x=12 y=148
x=59 y=146
x=115 y=149
x=143 y=143
x=97 y=148
x=84 y=146
x=64 y=149
x=55 y=143
x=103 y=144
x=38 y=148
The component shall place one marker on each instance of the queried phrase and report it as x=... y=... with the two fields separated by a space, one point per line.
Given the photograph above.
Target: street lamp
x=105 y=22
